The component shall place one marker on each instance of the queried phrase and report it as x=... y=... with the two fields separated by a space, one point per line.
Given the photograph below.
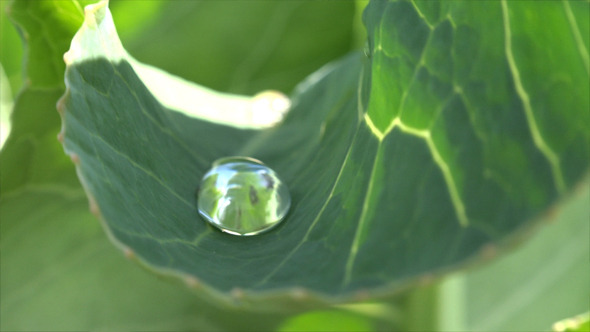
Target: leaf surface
x=445 y=139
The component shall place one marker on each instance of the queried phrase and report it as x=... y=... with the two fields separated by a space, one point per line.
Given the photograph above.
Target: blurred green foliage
x=241 y=46
x=59 y=271
x=11 y=50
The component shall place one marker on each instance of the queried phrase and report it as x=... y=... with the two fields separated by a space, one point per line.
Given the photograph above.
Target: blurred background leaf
x=580 y=323
x=241 y=47
x=11 y=50
x=530 y=288
x=60 y=273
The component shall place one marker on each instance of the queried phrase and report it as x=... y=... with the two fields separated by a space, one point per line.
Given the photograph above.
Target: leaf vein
x=139 y=167
x=362 y=220
x=538 y=139
x=577 y=35
x=320 y=213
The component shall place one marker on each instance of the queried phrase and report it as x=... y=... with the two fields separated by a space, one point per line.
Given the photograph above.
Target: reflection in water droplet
x=242 y=196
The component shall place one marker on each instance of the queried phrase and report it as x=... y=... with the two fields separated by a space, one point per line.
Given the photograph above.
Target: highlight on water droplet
x=242 y=196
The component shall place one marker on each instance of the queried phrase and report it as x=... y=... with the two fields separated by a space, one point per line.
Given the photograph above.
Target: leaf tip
x=237 y=293
x=129 y=253
x=93 y=205
x=192 y=282
x=96 y=38
x=95 y=13
x=299 y=294
x=552 y=213
x=489 y=251
x=61 y=104
x=426 y=279
x=75 y=159
x=362 y=295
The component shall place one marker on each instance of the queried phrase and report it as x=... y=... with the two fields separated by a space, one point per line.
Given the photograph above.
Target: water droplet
x=242 y=196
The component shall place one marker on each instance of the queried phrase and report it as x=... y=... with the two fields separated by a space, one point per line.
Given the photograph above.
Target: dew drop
x=242 y=196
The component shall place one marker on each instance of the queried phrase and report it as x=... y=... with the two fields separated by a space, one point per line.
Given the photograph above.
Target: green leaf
x=327 y=321
x=438 y=147
x=30 y=153
x=579 y=323
x=239 y=47
x=10 y=60
x=47 y=28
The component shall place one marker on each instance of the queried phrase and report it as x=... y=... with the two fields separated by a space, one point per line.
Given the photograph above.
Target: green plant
x=459 y=126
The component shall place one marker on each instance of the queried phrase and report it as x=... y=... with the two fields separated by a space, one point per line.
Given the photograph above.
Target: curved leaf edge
x=98 y=38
